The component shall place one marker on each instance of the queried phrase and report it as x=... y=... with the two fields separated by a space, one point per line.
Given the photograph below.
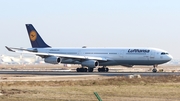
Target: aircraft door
x=121 y=54
x=152 y=55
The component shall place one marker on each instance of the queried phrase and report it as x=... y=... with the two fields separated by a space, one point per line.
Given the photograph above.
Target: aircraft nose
x=170 y=57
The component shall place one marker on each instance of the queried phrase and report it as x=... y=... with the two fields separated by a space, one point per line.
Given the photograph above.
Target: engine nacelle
x=52 y=60
x=90 y=63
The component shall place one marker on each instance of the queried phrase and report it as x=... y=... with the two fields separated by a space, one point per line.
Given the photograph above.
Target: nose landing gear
x=154 y=70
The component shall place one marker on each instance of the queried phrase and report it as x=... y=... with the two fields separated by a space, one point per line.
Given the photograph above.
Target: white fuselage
x=114 y=56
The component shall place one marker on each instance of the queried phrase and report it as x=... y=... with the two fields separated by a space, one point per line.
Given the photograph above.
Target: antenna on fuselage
x=84 y=46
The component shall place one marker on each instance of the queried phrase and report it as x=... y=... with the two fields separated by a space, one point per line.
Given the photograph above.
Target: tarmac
x=69 y=73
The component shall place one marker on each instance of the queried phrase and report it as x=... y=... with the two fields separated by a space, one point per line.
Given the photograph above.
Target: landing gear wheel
x=154 y=70
x=99 y=69
x=107 y=70
x=81 y=69
x=103 y=69
x=77 y=70
x=90 y=69
x=85 y=69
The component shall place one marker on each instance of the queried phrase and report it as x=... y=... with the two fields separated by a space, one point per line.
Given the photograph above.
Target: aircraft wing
x=21 y=50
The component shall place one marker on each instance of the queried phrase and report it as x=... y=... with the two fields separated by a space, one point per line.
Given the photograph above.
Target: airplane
x=93 y=57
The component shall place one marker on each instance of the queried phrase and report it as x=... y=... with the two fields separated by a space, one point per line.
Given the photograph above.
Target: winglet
x=9 y=49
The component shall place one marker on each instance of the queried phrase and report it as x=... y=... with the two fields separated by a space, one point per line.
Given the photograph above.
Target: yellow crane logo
x=33 y=35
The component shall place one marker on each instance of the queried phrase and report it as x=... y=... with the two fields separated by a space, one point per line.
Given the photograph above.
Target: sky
x=94 y=23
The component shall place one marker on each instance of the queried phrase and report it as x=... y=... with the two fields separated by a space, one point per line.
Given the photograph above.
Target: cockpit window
x=163 y=53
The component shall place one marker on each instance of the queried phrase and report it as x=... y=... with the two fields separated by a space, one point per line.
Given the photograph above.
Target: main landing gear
x=103 y=69
x=154 y=70
x=82 y=69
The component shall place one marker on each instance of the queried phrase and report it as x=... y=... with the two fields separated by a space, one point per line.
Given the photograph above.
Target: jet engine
x=52 y=60
x=90 y=63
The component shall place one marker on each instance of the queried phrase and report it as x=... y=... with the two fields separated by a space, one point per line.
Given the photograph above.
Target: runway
x=63 y=73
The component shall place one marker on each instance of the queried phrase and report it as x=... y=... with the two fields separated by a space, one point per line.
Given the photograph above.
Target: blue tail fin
x=35 y=38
